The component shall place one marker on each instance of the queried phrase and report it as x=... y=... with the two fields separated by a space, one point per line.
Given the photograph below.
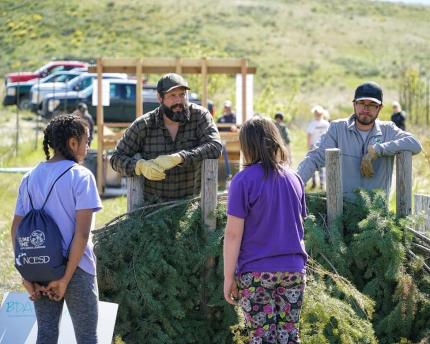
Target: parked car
x=49 y=68
x=39 y=92
x=122 y=106
x=18 y=93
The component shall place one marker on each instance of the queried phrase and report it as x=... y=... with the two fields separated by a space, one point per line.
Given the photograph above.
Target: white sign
x=105 y=92
x=18 y=321
x=240 y=118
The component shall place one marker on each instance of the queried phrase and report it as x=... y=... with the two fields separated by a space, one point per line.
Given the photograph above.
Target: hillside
x=305 y=51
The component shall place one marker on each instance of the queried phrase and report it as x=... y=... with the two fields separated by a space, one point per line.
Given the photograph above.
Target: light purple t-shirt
x=75 y=190
x=273 y=209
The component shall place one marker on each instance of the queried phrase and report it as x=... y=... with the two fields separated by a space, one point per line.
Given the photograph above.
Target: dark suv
x=39 y=92
x=122 y=105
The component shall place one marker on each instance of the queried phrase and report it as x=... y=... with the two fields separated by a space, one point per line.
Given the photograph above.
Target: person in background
x=264 y=251
x=367 y=145
x=398 y=116
x=82 y=111
x=316 y=128
x=228 y=117
x=283 y=130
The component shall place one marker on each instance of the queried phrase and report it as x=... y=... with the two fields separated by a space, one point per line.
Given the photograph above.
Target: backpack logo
x=18 y=259
x=23 y=259
x=37 y=238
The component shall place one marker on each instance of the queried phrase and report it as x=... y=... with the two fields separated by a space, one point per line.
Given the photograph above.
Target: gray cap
x=170 y=81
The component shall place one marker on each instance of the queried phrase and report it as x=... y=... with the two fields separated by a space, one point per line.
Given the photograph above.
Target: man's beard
x=368 y=122
x=176 y=116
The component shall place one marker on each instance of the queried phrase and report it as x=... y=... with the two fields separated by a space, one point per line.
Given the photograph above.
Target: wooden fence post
x=422 y=206
x=100 y=127
x=403 y=184
x=135 y=187
x=209 y=189
x=334 y=185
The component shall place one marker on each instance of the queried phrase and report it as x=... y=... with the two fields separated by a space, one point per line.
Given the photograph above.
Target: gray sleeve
x=122 y=159
x=398 y=141
x=316 y=157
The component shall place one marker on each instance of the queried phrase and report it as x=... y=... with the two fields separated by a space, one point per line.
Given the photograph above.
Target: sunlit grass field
x=306 y=52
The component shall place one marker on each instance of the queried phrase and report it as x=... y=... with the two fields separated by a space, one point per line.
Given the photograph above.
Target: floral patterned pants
x=271 y=302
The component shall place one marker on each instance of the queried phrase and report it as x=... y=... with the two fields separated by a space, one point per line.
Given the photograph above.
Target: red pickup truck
x=54 y=66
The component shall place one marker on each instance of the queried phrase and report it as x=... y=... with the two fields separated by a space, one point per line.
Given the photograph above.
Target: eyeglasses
x=371 y=106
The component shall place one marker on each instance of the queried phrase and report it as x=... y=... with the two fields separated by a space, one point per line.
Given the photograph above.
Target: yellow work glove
x=366 y=167
x=168 y=161
x=149 y=170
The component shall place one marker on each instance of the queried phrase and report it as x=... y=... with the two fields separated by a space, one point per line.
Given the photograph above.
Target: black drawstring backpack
x=38 y=244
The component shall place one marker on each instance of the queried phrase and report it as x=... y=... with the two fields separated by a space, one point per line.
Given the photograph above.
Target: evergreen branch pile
x=153 y=264
x=371 y=250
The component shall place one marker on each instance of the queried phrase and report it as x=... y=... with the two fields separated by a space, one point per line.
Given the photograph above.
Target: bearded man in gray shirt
x=367 y=145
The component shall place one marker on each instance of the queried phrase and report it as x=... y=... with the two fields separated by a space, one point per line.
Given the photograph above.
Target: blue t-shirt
x=273 y=209
x=75 y=190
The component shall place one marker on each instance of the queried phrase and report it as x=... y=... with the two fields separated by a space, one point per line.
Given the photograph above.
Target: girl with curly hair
x=71 y=204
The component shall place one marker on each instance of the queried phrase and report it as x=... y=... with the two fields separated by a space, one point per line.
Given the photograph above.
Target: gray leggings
x=82 y=302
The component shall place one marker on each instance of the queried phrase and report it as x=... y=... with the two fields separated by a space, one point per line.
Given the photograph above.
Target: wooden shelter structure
x=140 y=66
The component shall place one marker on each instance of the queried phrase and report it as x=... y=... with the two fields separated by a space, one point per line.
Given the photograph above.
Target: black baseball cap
x=370 y=91
x=170 y=81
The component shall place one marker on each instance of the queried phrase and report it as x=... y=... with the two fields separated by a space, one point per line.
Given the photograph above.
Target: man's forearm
x=209 y=150
x=123 y=164
x=404 y=144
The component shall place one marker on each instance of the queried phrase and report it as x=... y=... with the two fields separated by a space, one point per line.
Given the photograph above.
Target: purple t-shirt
x=76 y=190
x=273 y=209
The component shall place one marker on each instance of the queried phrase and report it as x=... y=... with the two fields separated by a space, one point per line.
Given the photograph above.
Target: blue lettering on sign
x=14 y=308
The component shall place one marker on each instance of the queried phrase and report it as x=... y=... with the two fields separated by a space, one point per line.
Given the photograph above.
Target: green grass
x=9 y=278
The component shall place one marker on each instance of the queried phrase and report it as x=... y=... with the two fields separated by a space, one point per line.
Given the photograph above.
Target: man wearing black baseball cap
x=368 y=145
x=173 y=139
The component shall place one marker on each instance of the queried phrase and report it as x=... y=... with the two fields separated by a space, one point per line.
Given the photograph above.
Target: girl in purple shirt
x=71 y=204
x=264 y=253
